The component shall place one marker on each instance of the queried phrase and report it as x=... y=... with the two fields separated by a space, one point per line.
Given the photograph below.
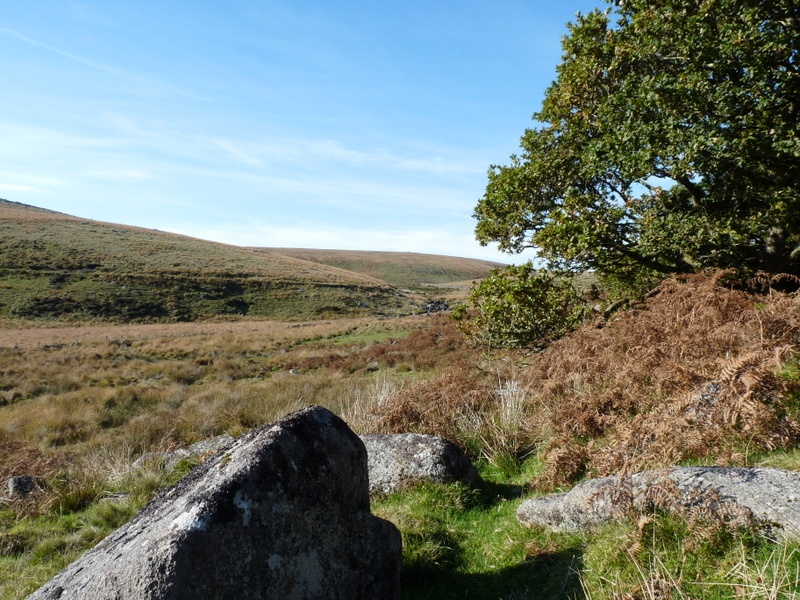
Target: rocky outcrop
x=434 y=306
x=283 y=513
x=400 y=461
x=768 y=499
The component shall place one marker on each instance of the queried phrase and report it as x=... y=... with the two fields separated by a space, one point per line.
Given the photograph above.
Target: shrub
x=518 y=307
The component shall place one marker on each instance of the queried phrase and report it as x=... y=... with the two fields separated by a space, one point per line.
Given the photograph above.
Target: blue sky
x=354 y=125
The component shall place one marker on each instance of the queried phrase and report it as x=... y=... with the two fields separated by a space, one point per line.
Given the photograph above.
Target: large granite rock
x=283 y=513
x=768 y=499
x=400 y=461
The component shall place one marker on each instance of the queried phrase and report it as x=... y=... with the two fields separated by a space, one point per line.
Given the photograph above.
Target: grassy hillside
x=403 y=269
x=55 y=266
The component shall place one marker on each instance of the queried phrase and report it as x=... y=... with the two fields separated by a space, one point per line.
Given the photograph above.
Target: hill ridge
x=409 y=269
x=55 y=266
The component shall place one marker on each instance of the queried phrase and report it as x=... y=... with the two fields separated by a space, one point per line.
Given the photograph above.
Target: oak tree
x=669 y=142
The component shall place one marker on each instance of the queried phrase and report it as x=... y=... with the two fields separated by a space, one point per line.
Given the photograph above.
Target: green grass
x=91 y=405
x=364 y=334
x=461 y=543
x=58 y=267
x=34 y=548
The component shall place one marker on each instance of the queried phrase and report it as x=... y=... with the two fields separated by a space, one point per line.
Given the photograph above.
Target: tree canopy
x=669 y=142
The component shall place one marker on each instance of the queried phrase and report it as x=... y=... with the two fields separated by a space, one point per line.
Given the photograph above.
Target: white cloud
x=120 y=174
x=27 y=182
x=79 y=59
x=298 y=150
x=239 y=153
x=17 y=187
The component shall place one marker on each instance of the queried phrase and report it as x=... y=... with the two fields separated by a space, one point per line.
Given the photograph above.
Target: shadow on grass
x=551 y=575
x=491 y=492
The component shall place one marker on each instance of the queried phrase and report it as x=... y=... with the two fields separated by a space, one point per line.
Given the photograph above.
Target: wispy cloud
x=296 y=149
x=120 y=174
x=18 y=187
x=18 y=137
x=74 y=57
x=235 y=150
x=281 y=174
x=15 y=181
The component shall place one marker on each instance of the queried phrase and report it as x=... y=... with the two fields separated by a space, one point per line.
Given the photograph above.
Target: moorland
x=59 y=267
x=116 y=342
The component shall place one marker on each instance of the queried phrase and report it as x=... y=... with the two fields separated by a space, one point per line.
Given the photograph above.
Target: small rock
x=23 y=485
x=400 y=461
x=765 y=498
x=437 y=306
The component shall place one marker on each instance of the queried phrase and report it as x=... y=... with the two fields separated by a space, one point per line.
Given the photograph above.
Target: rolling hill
x=55 y=266
x=404 y=269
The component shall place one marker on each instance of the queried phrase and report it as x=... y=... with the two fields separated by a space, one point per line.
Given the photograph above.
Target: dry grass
x=653 y=563
x=68 y=393
x=770 y=579
x=687 y=375
x=254 y=333
x=690 y=374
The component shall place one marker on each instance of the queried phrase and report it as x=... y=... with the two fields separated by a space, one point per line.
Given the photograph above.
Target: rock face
x=769 y=499
x=283 y=513
x=399 y=461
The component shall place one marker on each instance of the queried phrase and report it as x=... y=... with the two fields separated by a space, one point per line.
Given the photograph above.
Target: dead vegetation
x=70 y=397
x=693 y=373
x=690 y=374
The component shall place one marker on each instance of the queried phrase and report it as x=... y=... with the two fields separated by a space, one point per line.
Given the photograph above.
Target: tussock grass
x=661 y=557
x=139 y=393
x=81 y=506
